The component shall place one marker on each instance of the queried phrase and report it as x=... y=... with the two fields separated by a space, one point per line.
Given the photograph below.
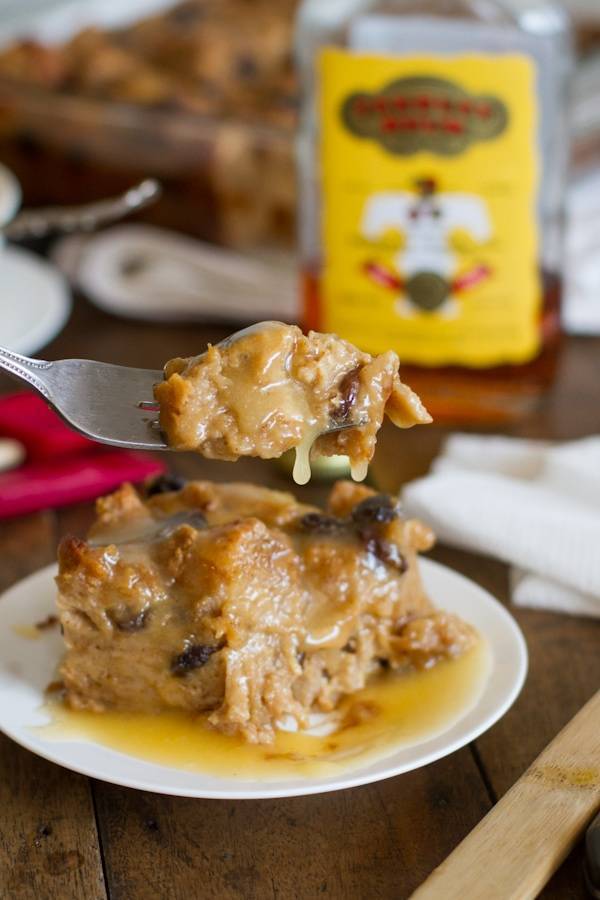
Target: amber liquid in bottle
x=459 y=395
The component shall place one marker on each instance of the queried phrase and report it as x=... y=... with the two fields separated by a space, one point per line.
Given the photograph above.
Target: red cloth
x=26 y=418
x=62 y=467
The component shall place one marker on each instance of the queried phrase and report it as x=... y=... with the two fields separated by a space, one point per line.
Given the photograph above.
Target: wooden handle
x=515 y=849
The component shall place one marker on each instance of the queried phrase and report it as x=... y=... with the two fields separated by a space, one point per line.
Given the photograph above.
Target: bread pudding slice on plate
x=270 y=388
x=238 y=600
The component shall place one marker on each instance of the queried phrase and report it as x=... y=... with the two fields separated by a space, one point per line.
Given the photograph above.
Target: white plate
x=27 y=667
x=34 y=303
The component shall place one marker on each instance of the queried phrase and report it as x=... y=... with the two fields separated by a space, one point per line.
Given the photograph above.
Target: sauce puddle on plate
x=393 y=712
x=29 y=632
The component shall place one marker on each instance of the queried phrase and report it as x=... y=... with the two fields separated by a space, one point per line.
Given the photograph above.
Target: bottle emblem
x=427 y=276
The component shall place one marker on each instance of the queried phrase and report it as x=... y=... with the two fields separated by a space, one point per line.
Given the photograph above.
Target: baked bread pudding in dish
x=240 y=602
x=205 y=57
x=270 y=388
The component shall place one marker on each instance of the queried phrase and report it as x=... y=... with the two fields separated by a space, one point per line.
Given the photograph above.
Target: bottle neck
x=542 y=17
x=335 y=14
x=320 y=20
x=492 y=11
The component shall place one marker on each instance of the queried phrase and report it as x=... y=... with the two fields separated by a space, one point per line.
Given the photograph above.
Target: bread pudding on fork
x=238 y=601
x=270 y=388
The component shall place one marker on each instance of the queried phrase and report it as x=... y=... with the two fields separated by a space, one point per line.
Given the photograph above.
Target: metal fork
x=106 y=403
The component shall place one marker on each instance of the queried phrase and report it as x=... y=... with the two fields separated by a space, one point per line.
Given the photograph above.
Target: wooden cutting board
x=515 y=849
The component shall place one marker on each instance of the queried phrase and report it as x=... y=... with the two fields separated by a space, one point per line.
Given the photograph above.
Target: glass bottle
x=432 y=159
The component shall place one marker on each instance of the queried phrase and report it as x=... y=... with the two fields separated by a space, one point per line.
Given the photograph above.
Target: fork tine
x=343 y=427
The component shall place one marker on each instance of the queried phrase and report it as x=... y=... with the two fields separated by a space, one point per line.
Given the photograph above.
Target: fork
x=105 y=403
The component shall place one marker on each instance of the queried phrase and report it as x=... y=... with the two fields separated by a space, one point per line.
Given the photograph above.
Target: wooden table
x=66 y=836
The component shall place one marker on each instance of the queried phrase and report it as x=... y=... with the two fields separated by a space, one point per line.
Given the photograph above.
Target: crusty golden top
x=238 y=599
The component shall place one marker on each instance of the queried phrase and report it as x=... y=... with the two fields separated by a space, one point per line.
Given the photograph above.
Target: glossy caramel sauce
x=392 y=712
x=29 y=632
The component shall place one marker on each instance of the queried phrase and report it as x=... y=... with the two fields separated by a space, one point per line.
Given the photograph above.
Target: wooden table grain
x=66 y=836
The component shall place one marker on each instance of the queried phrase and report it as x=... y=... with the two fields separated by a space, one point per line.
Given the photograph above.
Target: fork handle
x=26 y=369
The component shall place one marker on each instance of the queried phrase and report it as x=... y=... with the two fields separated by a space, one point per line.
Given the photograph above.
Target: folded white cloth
x=532 y=504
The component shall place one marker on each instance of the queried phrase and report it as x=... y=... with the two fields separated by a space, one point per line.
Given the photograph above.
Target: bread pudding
x=218 y=57
x=240 y=602
x=270 y=388
x=201 y=93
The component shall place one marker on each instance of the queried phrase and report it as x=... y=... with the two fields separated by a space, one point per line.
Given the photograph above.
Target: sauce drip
x=301 y=472
x=29 y=632
x=359 y=469
x=393 y=711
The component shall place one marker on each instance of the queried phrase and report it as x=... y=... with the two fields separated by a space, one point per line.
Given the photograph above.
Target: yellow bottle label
x=429 y=171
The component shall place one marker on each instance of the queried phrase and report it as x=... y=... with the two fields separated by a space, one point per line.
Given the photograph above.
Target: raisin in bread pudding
x=270 y=388
x=241 y=602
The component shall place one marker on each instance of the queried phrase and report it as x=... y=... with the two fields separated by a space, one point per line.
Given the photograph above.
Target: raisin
x=246 y=67
x=387 y=552
x=348 y=394
x=185 y=14
x=126 y=619
x=166 y=104
x=193 y=657
x=193 y=518
x=320 y=523
x=49 y=622
x=164 y=484
x=376 y=510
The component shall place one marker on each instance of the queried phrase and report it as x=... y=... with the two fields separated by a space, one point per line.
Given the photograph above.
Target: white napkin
x=532 y=504
x=143 y=272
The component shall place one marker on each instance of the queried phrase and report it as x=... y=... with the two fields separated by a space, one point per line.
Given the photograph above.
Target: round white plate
x=26 y=668
x=35 y=301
